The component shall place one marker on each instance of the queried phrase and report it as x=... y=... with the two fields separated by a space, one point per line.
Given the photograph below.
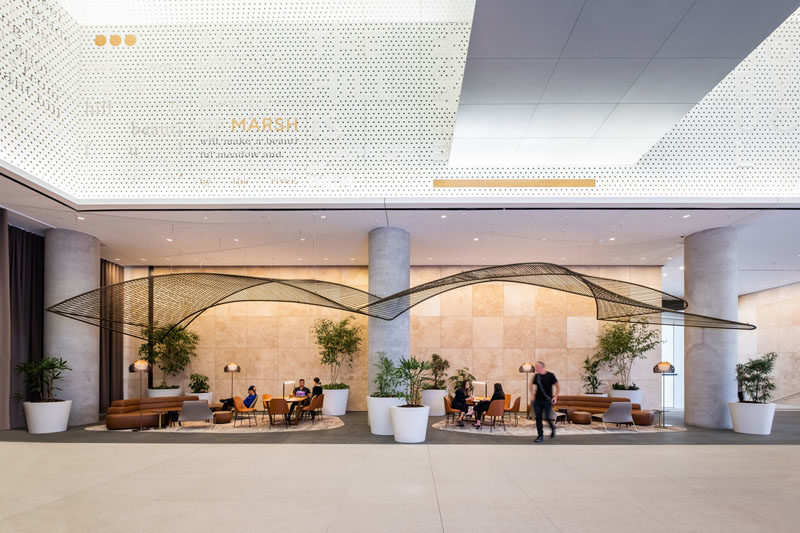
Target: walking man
x=544 y=399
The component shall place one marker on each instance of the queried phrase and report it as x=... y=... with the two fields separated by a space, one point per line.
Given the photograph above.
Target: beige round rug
x=527 y=428
x=328 y=422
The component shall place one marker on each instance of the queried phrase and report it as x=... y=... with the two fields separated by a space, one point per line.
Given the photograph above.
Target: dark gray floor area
x=786 y=430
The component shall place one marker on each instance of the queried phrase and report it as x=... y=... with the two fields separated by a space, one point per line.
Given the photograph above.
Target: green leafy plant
x=41 y=377
x=620 y=386
x=461 y=375
x=386 y=377
x=439 y=366
x=412 y=376
x=170 y=349
x=619 y=345
x=754 y=376
x=591 y=381
x=198 y=383
x=338 y=341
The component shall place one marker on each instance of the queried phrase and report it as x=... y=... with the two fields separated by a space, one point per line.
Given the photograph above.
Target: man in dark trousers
x=544 y=399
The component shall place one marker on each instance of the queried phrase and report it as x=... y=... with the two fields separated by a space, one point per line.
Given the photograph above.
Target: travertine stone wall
x=489 y=328
x=776 y=314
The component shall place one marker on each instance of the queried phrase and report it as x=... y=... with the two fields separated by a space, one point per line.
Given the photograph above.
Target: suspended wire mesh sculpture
x=177 y=299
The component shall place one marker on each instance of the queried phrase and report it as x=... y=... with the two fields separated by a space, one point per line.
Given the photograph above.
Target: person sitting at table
x=301 y=391
x=460 y=402
x=483 y=405
x=316 y=390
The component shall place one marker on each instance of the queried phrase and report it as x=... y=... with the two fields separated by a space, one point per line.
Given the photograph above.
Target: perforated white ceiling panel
x=291 y=107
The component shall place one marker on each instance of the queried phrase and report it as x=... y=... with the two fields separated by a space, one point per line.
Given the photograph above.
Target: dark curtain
x=110 y=342
x=26 y=276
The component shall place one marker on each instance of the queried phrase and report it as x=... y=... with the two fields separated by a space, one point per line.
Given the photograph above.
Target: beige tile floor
x=351 y=488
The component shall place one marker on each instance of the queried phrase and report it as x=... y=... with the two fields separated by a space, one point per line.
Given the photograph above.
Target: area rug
x=329 y=422
x=527 y=428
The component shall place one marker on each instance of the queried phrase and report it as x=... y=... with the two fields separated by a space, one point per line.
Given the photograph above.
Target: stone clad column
x=389 y=272
x=72 y=267
x=711 y=286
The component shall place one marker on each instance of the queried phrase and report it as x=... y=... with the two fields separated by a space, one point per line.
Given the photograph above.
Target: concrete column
x=72 y=267
x=389 y=272
x=711 y=286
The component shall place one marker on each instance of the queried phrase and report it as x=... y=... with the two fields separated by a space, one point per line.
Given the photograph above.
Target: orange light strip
x=520 y=183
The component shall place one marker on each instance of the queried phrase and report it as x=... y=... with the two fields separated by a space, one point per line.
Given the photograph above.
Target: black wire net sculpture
x=176 y=299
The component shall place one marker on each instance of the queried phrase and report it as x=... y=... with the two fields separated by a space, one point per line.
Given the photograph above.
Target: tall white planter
x=635 y=396
x=410 y=424
x=752 y=418
x=164 y=393
x=595 y=394
x=207 y=396
x=434 y=398
x=335 y=403
x=380 y=417
x=47 y=417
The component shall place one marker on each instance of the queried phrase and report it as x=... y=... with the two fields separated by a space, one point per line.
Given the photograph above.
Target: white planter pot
x=47 y=417
x=595 y=394
x=434 y=398
x=410 y=424
x=207 y=396
x=335 y=403
x=380 y=417
x=635 y=396
x=752 y=418
x=163 y=393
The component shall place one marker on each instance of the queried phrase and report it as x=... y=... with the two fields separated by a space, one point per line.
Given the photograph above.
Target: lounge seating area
x=597 y=405
x=125 y=414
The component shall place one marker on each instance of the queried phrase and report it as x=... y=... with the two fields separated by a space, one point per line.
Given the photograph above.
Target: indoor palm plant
x=338 y=342
x=384 y=396
x=435 y=390
x=410 y=420
x=461 y=375
x=755 y=413
x=200 y=387
x=619 y=345
x=170 y=349
x=591 y=381
x=44 y=413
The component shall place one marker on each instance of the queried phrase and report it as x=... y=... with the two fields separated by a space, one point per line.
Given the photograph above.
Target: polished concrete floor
x=279 y=487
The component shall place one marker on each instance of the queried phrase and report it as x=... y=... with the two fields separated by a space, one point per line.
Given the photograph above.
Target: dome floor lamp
x=140 y=367
x=527 y=368
x=664 y=368
x=232 y=368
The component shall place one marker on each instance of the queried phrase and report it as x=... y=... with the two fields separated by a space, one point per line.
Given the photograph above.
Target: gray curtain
x=111 y=365
x=26 y=275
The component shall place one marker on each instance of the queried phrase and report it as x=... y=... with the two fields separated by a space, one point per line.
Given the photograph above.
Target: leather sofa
x=599 y=405
x=124 y=414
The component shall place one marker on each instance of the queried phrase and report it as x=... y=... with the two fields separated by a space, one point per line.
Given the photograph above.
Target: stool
x=580 y=417
x=222 y=417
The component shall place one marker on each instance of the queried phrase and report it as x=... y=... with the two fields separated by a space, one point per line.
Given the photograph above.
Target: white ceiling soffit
x=595 y=82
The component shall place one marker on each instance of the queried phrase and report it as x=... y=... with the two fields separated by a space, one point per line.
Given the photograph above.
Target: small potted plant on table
x=44 y=413
x=199 y=385
x=410 y=420
x=754 y=416
x=171 y=349
x=384 y=397
x=338 y=342
x=434 y=391
x=619 y=346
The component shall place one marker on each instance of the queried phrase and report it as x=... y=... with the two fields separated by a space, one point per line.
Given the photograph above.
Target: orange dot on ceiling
x=100 y=40
x=115 y=40
x=130 y=39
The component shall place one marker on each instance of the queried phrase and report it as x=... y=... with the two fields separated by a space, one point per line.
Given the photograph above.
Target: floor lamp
x=232 y=367
x=664 y=368
x=527 y=368
x=140 y=367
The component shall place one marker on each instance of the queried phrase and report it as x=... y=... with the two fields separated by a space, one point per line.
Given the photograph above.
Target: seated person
x=301 y=391
x=316 y=390
x=483 y=405
x=249 y=401
x=460 y=402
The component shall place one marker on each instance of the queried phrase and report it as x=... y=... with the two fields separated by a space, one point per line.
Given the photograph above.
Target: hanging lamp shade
x=139 y=367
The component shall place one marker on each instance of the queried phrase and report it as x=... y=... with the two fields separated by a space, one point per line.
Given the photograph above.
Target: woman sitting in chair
x=483 y=405
x=460 y=402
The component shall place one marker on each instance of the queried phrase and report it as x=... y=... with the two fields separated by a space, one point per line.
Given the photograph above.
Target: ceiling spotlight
x=323 y=216
x=299 y=258
x=430 y=259
x=444 y=216
x=680 y=267
x=142 y=259
x=324 y=258
x=642 y=258
x=612 y=238
x=81 y=218
x=664 y=274
x=235 y=240
x=686 y=216
x=352 y=259
x=303 y=239
x=169 y=240
x=169 y=259
x=562 y=259
x=205 y=218
x=478 y=238
x=116 y=259
x=669 y=259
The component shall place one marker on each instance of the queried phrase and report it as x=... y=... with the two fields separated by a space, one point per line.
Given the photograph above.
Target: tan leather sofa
x=124 y=414
x=599 y=405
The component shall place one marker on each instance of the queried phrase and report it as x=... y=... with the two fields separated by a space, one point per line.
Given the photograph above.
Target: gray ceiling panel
x=505 y=81
x=678 y=80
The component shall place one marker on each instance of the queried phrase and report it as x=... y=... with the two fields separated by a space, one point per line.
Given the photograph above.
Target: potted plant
x=338 y=341
x=754 y=415
x=619 y=345
x=461 y=375
x=591 y=381
x=170 y=349
x=44 y=413
x=410 y=420
x=434 y=391
x=199 y=385
x=384 y=397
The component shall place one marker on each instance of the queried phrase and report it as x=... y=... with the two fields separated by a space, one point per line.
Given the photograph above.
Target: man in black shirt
x=301 y=391
x=544 y=399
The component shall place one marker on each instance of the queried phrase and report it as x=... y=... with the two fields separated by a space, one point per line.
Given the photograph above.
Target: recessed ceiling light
x=444 y=216
x=664 y=274
x=642 y=258
x=169 y=259
x=299 y=258
x=478 y=238
x=544 y=238
x=669 y=259
x=562 y=259
x=686 y=216
x=116 y=259
x=612 y=238
x=81 y=218
x=680 y=267
x=352 y=259
x=430 y=259
x=483 y=259
x=323 y=216
x=169 y=240
x=142 y=259
x=302 y=239
x=235 y=240
x=324 y=258
x=205 y=218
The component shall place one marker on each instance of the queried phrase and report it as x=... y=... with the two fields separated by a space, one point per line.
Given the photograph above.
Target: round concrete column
x=72 y=267
x=711 y=285
x=389 y=272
